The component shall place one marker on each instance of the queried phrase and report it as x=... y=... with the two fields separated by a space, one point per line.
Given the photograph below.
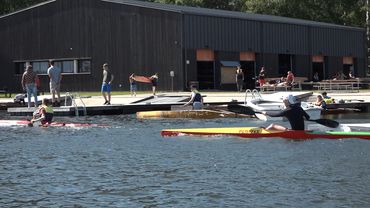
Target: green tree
x=8 y=6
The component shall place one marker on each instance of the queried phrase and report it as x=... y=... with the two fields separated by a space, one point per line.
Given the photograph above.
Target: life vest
x=197 y=97
x=47 y=109
x=329 y=100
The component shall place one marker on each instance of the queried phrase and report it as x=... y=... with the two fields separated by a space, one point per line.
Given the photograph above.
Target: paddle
x=326 y=122
x=249 y=111
x=30 y=124
x=246 y=110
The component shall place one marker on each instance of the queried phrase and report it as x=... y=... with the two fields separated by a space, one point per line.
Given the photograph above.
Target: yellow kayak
x=194 y=114
x=256 y=132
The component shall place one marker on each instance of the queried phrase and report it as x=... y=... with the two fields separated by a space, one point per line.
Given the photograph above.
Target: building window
x=67 y=66
x=84 y=66
x=40 y=67
x=20 y=67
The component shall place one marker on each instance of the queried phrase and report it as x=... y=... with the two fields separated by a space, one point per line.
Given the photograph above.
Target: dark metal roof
x=229 y=14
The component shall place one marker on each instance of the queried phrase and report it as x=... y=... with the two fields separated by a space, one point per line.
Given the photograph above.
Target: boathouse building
x=194 y=45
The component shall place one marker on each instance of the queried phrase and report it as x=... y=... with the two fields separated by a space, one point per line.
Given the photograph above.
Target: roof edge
x=230 y=14
x=28 y=8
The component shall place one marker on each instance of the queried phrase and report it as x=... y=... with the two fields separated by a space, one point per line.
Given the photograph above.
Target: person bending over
x=44 y=113
x=196 y=99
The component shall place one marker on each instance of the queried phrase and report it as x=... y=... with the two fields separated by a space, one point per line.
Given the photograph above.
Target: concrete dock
x=126 y=104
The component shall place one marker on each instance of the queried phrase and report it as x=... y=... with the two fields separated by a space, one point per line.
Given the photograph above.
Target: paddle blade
x=240 y=109
x=260 y=116
x=327 y=122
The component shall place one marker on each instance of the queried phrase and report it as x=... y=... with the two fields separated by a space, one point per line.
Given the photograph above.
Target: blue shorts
x=133 y=87
x=105 y=87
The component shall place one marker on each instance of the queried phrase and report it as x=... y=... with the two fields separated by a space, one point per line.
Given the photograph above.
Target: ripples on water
x=130 y=165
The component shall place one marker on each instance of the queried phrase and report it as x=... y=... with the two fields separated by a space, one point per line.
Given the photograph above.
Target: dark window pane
x=40 y=67
x=68 y=67
x=84 y=66
x=20 y=67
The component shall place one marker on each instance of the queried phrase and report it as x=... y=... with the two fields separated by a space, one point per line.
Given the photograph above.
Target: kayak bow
x=256 y=132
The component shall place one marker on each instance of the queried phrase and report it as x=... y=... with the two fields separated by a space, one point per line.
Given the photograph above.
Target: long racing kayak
x=256 y=132
x=10 y=123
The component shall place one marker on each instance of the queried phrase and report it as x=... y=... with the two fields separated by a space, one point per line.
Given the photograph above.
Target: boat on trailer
x=257 y=132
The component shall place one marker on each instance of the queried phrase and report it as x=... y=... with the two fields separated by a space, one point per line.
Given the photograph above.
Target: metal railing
x=74 y=96
x=254 y=93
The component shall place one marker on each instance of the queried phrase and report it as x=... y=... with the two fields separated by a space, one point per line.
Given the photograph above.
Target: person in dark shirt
x=196 y=99
x=293 y=112
x=239 y=78
x=106 y=86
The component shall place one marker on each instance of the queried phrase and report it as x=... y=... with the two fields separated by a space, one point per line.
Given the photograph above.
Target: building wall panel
x=221 y=33
x=285 y=39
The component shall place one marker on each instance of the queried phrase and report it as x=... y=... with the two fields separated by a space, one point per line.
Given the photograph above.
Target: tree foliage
x=343 y=12
x=8 y=6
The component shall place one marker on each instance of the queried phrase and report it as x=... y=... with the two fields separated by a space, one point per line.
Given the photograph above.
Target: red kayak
x=8 y=123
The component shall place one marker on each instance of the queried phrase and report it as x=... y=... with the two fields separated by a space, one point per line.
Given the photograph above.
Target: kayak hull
x=194 y=114
x=255 y=132
x=9 y=123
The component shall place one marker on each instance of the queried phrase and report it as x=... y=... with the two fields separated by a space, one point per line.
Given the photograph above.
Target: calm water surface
x=130 y=165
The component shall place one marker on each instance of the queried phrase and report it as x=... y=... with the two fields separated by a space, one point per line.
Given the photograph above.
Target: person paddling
x=44 y=113
x=196 y=99
x=293 y=112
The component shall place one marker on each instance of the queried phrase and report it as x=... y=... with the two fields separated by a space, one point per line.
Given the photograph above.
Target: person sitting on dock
x=320 y=102
x=19 y=98
x=327 y=98
x=44 y=113
x=293 y=112
x=196 y=99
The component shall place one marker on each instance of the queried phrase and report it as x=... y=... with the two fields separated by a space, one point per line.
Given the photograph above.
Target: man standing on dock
x=29 y=80
x=55 y=75
x=106 y=86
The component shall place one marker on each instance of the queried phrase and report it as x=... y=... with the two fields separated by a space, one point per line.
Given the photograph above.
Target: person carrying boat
x=293 y=112
x=196 y=99
x=44 y=113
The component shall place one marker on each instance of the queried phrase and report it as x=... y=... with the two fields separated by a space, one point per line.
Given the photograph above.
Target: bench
x=296 y=85
x=351 y=85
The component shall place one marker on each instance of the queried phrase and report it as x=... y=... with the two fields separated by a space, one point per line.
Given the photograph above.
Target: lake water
x=130 y=165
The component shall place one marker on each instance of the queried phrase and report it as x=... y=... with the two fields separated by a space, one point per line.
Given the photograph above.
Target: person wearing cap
x=293 y=112
x=29 y=79
x=196 y=99
x=106 y=86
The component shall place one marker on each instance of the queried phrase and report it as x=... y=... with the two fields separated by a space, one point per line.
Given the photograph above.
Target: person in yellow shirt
x=44 y=113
